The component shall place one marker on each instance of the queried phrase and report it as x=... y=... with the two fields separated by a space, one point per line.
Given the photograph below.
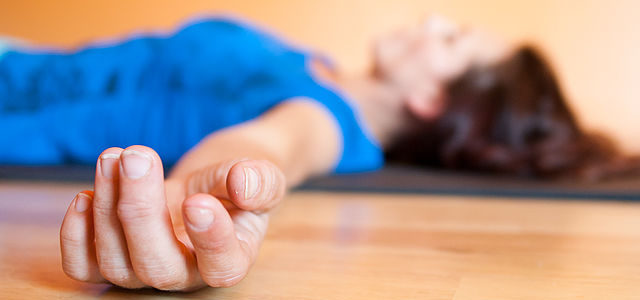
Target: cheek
x=389 y=54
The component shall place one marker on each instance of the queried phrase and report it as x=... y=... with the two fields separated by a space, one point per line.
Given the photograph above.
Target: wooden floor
x=368 y=246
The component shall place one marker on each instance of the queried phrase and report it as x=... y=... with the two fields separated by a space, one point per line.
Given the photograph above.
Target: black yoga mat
x=395 y=179
x=420 y=181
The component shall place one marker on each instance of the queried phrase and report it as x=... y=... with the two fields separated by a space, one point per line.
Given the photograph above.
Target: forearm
x=231 y=144
x=297 y=137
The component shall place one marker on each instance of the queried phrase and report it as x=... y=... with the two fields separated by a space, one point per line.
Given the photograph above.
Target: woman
x=256 y=116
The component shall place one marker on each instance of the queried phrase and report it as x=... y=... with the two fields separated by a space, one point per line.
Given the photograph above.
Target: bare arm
x=205 y=223
x=298 y=136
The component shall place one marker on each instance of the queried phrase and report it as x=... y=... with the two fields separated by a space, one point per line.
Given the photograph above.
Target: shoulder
x=209 y=24
x=222 y=28
x=359 y=151
x=331 y=129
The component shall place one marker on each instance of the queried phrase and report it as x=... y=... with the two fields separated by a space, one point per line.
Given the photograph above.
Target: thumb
x=223 y=260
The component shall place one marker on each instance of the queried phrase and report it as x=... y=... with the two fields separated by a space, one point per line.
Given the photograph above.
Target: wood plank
x=370 y=246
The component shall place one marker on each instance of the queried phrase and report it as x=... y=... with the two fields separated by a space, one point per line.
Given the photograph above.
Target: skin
x=411 y=68
x=203 y=224
x=144 y=236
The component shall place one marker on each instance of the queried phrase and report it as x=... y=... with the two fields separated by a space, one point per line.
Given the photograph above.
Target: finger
x=111 y=246
x=222 y=259
x=76 y=241
x=255 y=185
x=212 y=179
x=249 y=184
x=158 y=258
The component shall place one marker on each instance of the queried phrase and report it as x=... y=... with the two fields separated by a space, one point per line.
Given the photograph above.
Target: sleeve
x=198 y=57
x=4 y=46
x=31 y=79
x=47 y=98
x=360 y=152
x=275 y=70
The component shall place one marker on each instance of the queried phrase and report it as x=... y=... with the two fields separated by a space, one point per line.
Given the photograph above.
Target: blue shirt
x=166 y=92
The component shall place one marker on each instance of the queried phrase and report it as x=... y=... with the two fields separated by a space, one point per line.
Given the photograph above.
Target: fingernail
x=135 y=163
x=82 y=202
x=251 y=182
x=199 y=218
x=108 y=164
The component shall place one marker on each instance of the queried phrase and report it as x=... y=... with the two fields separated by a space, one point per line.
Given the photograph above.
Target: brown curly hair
x=511 y=118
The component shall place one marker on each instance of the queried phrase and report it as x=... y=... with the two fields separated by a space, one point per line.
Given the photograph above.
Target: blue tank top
x=165 y=92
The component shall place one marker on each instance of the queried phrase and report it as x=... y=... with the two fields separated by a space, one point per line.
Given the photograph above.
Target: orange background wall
x=594 y=44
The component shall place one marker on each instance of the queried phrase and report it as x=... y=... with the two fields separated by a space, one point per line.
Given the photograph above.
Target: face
x=434 y=52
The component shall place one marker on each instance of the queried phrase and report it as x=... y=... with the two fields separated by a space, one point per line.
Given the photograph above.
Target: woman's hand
x=137 y=230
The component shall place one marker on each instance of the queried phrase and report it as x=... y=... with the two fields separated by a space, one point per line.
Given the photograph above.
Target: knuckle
x=213 y=246
x=166 y=283
x=75 y=271
x=226 y=274
x=223 y=278
x=130 y=211
x=102 y=208
x=74 y=268
x=70 y=240
x=162 y=278
x=120 y=276
x=202 y=181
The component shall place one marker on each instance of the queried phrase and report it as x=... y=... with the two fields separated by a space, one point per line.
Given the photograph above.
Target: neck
x=380 y=105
